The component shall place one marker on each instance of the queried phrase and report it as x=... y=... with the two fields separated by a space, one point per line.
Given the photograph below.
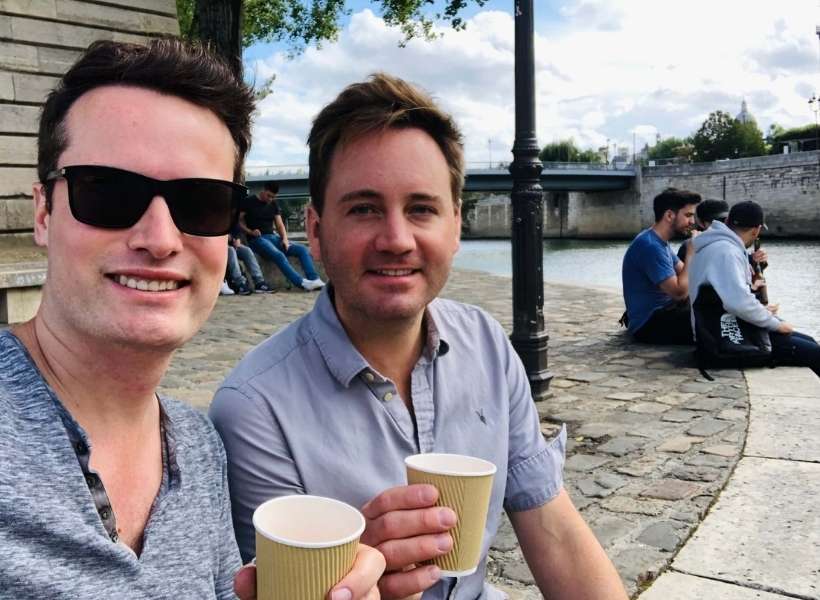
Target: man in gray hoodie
x=721 y=261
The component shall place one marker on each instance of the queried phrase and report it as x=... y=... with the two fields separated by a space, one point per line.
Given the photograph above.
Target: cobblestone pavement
x=651 y=442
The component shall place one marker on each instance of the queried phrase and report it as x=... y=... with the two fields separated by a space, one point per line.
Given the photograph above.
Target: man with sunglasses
x=108 y=490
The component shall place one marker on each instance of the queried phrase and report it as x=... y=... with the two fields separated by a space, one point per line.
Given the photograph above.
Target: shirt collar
x=339 y=353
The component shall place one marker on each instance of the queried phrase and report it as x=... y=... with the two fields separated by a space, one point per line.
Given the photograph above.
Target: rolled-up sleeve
x=535 y=467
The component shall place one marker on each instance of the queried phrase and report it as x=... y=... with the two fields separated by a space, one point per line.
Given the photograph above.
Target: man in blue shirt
x=381 y=368
x=655 y=281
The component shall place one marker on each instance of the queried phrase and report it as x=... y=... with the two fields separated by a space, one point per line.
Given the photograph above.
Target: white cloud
x=605 y=69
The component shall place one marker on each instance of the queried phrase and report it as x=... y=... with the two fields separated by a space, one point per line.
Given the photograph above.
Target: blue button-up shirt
x=305 y=413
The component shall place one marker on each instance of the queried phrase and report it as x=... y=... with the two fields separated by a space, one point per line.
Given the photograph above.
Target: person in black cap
x=721 y=260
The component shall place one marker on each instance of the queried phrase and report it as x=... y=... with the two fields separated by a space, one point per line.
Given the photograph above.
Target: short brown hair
x=169 y=66
x=382 y=102
x=673 y=199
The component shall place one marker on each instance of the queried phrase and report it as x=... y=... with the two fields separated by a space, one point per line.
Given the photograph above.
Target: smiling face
x=389 y=227
x=148 y=286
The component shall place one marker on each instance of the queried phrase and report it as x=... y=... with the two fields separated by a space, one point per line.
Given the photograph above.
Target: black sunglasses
x=116 y=199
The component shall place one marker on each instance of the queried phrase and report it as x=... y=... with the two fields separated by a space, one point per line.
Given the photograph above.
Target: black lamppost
x=529 y=336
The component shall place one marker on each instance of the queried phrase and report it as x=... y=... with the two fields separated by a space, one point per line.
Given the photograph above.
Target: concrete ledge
x=20 y=290
x=677 y=586
x=761 y=539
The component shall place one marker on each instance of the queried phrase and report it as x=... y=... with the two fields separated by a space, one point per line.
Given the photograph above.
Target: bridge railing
x=301 y=170
x=276 y=170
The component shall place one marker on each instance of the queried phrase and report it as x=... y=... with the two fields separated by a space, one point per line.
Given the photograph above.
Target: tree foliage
x=671 y=148
x=722 y=136
x=567 y=151
x=806 y=136
x=301 y=23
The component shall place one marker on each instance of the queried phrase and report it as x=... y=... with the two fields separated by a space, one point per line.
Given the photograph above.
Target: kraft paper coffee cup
x=304 y=546
x=464 y=484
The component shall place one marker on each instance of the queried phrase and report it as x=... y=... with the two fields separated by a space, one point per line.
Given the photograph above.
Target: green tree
x=669 y=148
x=721 y=136
x=806 y=137
x=230 y=25
x=750 y=140
x=716 y=137
x=567 y=151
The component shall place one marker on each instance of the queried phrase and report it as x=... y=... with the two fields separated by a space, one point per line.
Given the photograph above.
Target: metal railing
x=301 y=170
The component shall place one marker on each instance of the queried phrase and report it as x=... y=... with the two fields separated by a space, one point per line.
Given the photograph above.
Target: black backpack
x=723 y=341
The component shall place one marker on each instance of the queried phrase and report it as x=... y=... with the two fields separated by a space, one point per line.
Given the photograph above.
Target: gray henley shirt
x=53 y=538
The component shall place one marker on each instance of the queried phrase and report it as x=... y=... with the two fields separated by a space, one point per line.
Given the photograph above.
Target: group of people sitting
x=259 y=216
x=666 y=294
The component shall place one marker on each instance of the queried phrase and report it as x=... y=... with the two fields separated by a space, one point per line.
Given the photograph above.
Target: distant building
x=744 y=116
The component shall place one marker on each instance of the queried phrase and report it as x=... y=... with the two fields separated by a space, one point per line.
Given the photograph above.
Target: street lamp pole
x=814 y=105
x=529 y=336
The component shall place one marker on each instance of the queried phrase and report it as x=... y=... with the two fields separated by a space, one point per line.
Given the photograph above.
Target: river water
x=793 y=275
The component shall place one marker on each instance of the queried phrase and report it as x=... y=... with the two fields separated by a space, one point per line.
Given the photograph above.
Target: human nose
x=156 y=231
x=395 y=235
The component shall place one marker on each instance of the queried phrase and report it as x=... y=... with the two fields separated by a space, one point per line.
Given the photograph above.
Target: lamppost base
x=540 y=385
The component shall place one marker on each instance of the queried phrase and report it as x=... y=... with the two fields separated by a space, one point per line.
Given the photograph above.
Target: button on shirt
x=305 y=413
x=56 y=526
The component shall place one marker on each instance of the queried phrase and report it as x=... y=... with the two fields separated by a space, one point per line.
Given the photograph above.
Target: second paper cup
x=464 y=484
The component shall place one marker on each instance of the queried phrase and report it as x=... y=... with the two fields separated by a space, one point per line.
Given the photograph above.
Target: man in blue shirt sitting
x=655 y=281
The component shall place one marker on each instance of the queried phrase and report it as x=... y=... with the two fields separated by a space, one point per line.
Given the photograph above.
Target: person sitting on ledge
x=721 y=261
x=238 y=282
x=655 y=282
x=259 y=214
x=706 y=212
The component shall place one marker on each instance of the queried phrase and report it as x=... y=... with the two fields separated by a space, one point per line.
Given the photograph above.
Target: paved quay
x=652 y=443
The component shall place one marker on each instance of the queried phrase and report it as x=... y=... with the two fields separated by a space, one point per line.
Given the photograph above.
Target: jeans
x=246 y=255
x=796 y=350
x=668 y=325
x=269 y=246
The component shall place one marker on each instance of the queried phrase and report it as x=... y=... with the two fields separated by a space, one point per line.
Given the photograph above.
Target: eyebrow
x=370 y=194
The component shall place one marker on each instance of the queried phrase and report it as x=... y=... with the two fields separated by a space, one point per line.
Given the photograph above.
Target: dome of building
x=744 y=116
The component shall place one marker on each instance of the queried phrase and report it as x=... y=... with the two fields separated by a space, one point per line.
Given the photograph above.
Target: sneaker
x=242 y=289
x=226 y=290
x=312 y=284
x=262 y=287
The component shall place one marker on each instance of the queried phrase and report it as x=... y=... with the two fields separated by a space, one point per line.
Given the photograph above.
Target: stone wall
x=39 y=40
x=787 y=186
x=605 y=215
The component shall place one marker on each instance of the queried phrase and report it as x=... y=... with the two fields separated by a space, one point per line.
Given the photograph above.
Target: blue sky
x=544 y=15
x=606 y=70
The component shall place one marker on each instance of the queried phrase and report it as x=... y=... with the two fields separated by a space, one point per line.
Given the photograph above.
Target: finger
x=403 y=497
x=401 y=585
x=400 y=553
x=401 y=524
x=363 y=577
x=373 y=594
x=244 y=583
